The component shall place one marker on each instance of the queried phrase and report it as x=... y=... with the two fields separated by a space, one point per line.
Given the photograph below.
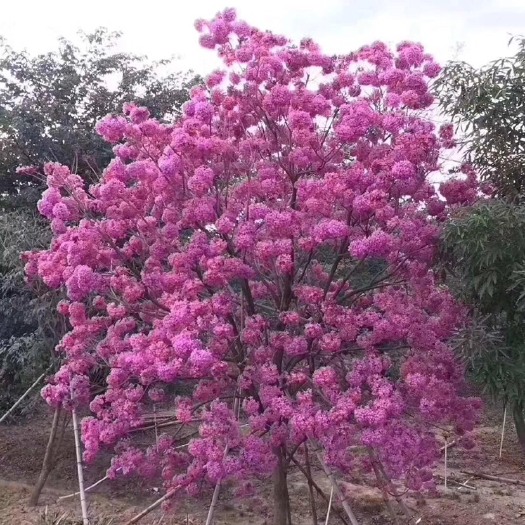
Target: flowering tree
x=271 y=252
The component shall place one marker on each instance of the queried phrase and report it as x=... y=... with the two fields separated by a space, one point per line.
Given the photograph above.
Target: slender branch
x=48 y=460
x=338 y=258
x=375 y=281
x=382 y=485
x=393 y=491
x=58 y=440
x=248 y=295
x=305 y=267
x=291 y=454
x=376 y=286
x=346 y=278
x=494 y=478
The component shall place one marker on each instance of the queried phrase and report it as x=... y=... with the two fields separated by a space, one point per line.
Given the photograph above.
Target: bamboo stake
x=96 y=484
x=153 y=506
x=446 y=459
x=329 y=506
x=24 y=395
x=335 y=486
x=449 y=445
x=155 y=424
x=503 y=431
x=463 y=485
x=162 y=425
x=83 y=504
x=318 y=489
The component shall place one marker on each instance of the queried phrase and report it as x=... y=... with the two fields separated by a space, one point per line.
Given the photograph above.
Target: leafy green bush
x=29 y=323
x=484 y=251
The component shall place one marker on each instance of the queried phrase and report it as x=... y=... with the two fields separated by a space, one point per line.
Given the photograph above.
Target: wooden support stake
x=503 y=431
x=446 y=461
x=335 y=486
x=153 y=506
x=24 y=395
x=213 y=504
x=329 y=506
x=80 y=473
x=96 y=484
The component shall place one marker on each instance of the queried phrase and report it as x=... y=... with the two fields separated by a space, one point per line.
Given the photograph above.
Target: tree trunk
x=281 y=498
x=47 y=464
x=519 y=422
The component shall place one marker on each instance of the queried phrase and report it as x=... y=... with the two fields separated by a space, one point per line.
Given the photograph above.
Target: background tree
x=487 y=104
x=29 y=323
x=484 y=251
x=49 y=105
x=485 y=248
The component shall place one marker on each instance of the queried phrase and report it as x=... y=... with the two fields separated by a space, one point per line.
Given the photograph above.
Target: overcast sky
x=480 y=29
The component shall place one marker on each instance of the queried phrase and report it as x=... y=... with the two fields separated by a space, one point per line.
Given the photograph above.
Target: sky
x=476 y=31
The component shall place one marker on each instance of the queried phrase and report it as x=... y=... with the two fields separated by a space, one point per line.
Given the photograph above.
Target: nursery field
x=480 y=501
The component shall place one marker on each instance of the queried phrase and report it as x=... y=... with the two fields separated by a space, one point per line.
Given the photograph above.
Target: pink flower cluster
x=271 y=253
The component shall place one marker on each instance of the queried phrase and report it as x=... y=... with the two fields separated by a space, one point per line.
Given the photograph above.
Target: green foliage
x=50 y=103
x=484 y=250
x=487 y=245
x=29 y=324
x=488 y=104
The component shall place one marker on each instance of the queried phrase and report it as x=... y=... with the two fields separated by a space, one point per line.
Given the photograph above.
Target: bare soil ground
x=22 y=448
